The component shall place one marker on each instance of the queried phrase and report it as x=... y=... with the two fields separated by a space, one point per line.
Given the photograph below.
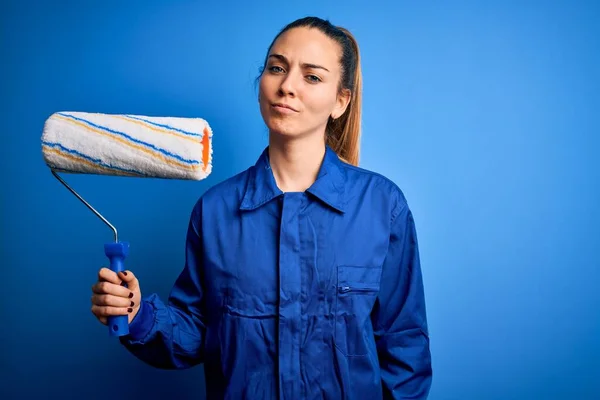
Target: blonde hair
x=343 y=133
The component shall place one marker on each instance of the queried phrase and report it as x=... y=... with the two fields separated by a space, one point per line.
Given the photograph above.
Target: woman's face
x=299 y=86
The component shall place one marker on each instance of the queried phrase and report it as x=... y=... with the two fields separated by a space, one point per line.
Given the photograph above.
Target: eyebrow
x=305 y=65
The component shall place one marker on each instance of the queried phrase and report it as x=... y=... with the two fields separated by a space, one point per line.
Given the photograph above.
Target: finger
x=108 y=275
x=111 y=288
x=112 y=301
x=101 y=311
x=130 y=279
x=103 y=320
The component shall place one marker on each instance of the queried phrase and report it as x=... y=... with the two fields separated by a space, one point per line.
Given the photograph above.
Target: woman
x=302 y=276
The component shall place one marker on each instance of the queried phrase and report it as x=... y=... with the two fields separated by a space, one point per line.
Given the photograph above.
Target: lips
x=281 y=105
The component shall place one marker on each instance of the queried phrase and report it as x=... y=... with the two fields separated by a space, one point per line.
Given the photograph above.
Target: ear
x=341 y=103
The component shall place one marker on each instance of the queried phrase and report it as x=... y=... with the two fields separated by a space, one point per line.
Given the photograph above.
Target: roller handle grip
x=118 y=325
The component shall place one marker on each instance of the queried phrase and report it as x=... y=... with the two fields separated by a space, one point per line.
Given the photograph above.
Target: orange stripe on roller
x=205 y=148
x=79 y=160
x=157 y=129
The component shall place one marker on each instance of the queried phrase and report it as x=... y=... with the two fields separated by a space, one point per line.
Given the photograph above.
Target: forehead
x=308 y=45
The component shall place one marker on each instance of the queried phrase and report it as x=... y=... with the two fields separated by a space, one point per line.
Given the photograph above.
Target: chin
x=280 y=126
x=284 y=131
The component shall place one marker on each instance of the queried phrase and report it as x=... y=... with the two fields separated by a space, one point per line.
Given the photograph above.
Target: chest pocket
x=357 y=289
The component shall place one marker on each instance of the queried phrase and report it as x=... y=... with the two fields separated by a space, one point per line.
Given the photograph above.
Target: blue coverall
x=298 y=295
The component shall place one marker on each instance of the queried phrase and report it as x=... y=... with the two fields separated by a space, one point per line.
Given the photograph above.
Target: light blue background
x=486 y=114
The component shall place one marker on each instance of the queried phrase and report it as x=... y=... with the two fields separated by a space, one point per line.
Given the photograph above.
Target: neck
x=296 y=163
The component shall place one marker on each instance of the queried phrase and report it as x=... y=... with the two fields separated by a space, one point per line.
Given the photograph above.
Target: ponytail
x=343 y=134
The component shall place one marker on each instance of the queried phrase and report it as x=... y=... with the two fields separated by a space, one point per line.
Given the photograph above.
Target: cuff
x=142 y=323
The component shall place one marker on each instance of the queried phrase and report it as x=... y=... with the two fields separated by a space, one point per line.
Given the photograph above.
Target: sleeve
x=399 y=316
x=171 y=335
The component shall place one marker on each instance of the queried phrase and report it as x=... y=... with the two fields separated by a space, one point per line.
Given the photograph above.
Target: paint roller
x=129 y=146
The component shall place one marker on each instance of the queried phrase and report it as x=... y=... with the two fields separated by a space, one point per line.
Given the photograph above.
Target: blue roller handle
x=117 y=252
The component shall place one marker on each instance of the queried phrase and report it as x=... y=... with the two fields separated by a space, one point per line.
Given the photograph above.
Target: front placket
x=289 y=297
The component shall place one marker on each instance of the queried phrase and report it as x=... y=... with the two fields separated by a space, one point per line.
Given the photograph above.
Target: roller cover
x=128 y=145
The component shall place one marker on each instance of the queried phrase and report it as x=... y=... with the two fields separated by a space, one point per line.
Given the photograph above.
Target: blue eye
x=275 y=69
x=314 y=78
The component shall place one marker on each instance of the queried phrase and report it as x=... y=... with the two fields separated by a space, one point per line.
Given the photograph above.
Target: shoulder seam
x=399 y=208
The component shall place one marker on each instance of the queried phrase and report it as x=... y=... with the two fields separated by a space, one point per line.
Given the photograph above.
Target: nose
x=287 y=86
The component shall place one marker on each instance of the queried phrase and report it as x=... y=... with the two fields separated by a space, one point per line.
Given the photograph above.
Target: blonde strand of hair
x=347 y=142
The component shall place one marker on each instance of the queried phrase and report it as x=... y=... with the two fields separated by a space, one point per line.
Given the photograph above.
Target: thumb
x=130 y=279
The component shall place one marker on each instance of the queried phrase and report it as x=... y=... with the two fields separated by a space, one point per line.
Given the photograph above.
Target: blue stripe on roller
x=164 y=126
x=84 y=156
x=149 y=145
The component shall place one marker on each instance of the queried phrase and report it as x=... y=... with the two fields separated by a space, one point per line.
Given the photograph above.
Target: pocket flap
x=359 y=276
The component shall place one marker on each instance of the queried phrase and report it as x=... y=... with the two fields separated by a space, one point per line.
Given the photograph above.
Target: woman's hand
x=110 y=297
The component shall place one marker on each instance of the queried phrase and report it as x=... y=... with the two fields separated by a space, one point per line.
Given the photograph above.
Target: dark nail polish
x=131 y=295
x=125 y=273
x=129 y=309
x=131 y=304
